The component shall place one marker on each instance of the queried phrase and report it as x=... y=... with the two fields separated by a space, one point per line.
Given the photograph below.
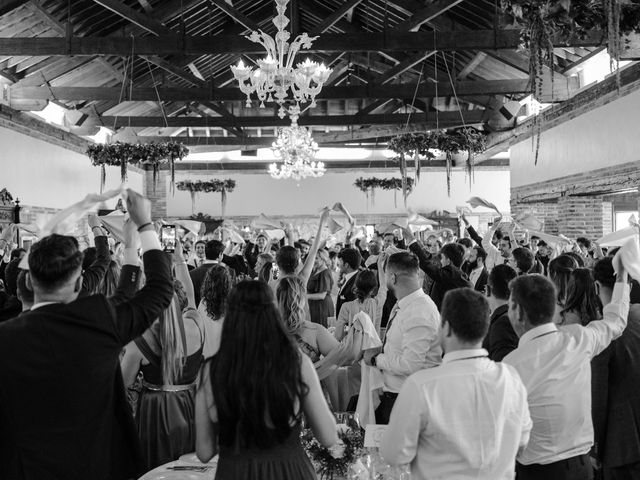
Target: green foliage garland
x=369 y=185
x=326 y=464
x=208 y=186
x=450 y=142
x=123 y=154
x=541 y=21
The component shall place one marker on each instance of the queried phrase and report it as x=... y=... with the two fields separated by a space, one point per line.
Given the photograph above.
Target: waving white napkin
x=476 y=202
x=629 y=257
x=615 y=239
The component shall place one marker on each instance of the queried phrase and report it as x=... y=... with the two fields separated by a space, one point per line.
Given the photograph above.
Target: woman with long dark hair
x=560 y=269
x=582 y=304
x=253 y=394
x=319 y=288
x=213 y=305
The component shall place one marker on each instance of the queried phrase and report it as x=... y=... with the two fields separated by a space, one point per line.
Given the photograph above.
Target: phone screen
x=168 y=238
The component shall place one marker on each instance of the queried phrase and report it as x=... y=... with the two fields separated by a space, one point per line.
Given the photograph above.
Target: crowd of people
x=501 y=356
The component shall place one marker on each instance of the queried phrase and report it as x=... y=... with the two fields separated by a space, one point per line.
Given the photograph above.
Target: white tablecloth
x=168 y=472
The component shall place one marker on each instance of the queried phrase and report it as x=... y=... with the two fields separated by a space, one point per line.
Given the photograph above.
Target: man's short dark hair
x=351 y=256
x=524 y=259
x=16 y=253
x=465 y=242
x=541 y=243
x=537 y=297
x=480 y=253
x=90 y=255
x=11 y=273
x=54 y=260
x=200 y=242
x=603 y=272
x=507 y=239
x=302 y=241
x=405 y=262
x=26 y=294
x=535 y=237
x=499 y=279
x=467 y=312
x=288 y=259
x=213 y=249
x=454 y=252
x=498 y=234
x=584 y=241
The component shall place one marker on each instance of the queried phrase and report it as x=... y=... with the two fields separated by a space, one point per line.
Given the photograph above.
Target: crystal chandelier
x=276 y=74
x=295 y=147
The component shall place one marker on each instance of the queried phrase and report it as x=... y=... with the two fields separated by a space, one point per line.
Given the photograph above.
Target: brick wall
x=579 y=205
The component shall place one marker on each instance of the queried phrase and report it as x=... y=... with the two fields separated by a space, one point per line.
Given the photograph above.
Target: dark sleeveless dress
x=320 y=310
x=286 y=461
x=166 y=413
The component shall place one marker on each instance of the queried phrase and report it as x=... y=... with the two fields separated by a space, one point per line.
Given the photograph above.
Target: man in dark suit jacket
x=501 y=339
x=477 y=272
x=448 y=276
x=615 y=387
x=214 y=252
x=349 y=261
x=63 y=408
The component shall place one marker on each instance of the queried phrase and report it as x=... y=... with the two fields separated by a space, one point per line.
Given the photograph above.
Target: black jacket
x=63 y=407
x=444 y=278
x=346 y=293
x=501 y=339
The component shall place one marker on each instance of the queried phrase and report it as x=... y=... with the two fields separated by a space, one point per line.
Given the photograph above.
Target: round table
x=187 y=467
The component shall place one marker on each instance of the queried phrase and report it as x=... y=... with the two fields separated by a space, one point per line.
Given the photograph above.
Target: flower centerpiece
x=334 y=462
x=208 y=186
x=124 y=154
x=424 y=145
x=369 y=185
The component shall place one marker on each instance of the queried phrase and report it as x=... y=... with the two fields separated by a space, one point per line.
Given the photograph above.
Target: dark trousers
x=626 y=472
x=383 y=412
x=574 y=468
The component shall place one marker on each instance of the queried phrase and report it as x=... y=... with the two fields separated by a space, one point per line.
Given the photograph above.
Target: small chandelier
x=275 y=74
x=295 y=147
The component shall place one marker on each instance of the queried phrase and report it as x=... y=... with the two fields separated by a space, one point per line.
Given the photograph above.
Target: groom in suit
x=63 y=408
x=349 y=261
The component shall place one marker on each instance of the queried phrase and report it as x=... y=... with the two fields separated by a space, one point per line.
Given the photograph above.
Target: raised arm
x=600 y=334
x=182 y=274
x=424 y=258
x=305 y=273
x=472 y=231
x=94 y=274
x=132 y=317
x=130 y=273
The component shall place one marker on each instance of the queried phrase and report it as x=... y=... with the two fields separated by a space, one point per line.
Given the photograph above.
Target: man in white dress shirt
x=555 y=366
x=412 y=339
x=466 y=418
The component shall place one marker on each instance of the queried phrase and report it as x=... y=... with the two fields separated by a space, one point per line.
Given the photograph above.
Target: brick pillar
x=584 y=216
x=156 y=192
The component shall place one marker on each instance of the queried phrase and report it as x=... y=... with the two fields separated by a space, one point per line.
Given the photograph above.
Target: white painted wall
x=606 y=136
x=44 y=175
x=259 y=193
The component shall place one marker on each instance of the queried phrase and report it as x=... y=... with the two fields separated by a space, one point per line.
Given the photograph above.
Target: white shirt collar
x=210 y=262
x=347 y=276
x=42 y=304
x=404 y=301
x=537 y=332
x=464 y=354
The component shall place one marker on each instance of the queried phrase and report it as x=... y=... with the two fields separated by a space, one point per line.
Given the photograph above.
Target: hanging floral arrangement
x=450 y=142
x=541 y=21
x=208 y=186
x=124 y=154
x=369 y=185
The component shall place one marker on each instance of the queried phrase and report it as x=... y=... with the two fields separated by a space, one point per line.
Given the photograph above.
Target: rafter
x=233 y=44
x=332 y=19
x=140 y=19
x=445 y=119
x=427 y=14
x=236 y=15
x=557 y=92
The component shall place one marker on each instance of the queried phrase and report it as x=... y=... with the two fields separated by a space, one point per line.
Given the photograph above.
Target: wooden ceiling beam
x=234 y=44
x=445 y=118
x=557 y=92
x=332 y=19
x=140 y=19
x=7 y=6
x=403 y=66
x=427 y=14
x=236 y=15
